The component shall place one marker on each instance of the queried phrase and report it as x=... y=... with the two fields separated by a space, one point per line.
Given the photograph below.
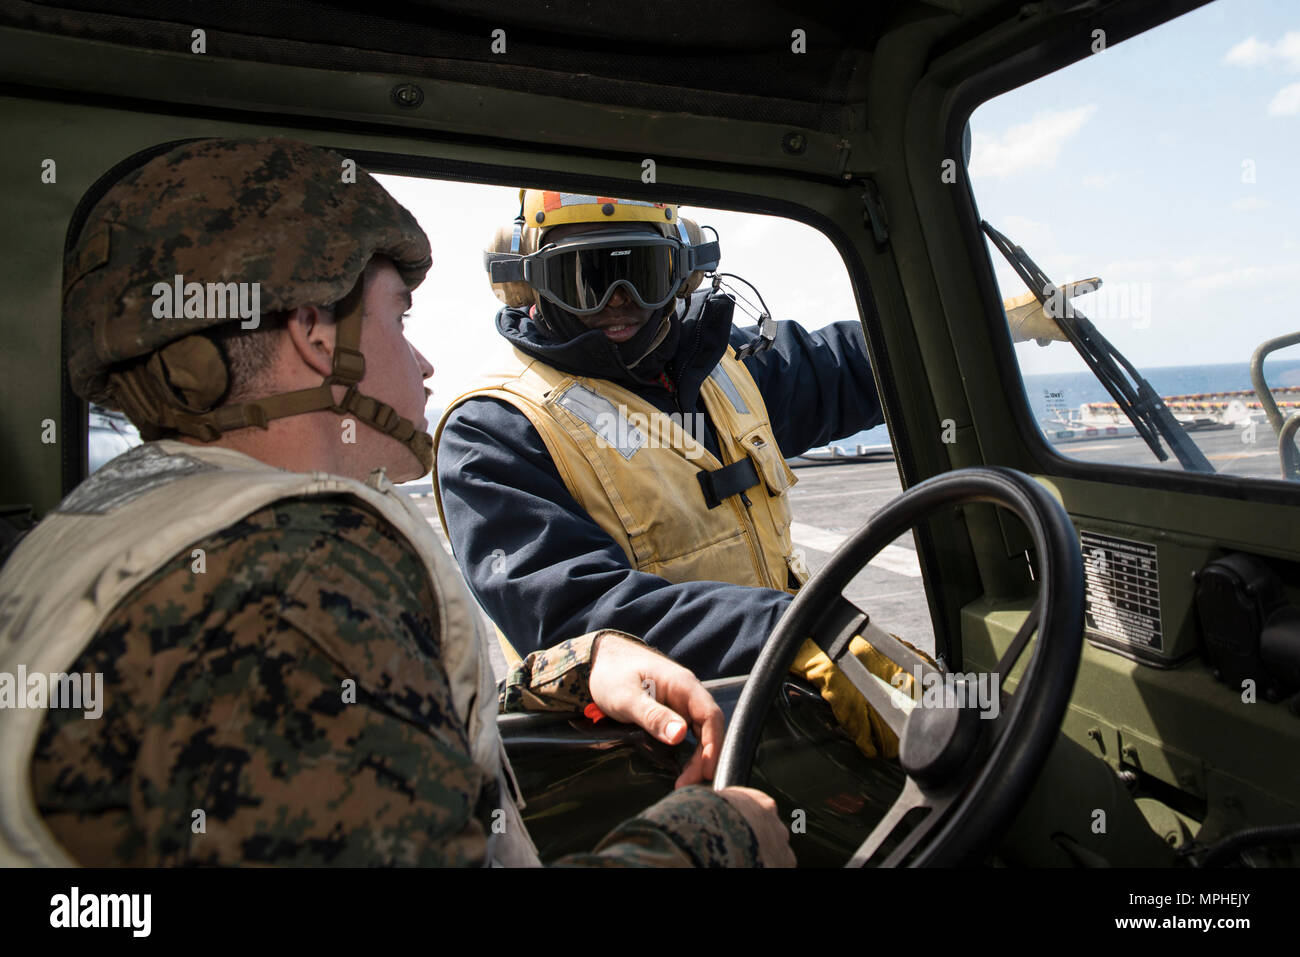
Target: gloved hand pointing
x=1029 y=319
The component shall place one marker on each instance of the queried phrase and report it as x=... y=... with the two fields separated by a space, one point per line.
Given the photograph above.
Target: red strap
x=594 y=713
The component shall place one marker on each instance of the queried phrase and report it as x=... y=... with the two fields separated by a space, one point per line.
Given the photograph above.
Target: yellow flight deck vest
x=125 y=522
x=635 y=471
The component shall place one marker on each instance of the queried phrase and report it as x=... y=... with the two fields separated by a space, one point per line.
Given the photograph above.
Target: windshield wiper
x=1141 y=403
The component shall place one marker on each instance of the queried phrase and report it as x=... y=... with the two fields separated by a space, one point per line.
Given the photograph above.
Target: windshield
x=1157 y=176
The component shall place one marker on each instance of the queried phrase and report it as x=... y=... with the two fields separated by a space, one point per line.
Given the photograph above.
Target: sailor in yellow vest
x=628 y=463
x=279 y=664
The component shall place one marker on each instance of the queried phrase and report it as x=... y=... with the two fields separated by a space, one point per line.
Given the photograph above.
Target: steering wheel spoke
x=1007 y=662
x=891 y=704
x=1018 y=643
x=913 y=797
x=836 y=628
x=833 y=634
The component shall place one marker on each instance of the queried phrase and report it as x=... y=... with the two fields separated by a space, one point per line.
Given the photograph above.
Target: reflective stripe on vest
x=124 y=523
x=634 y=470
x=603 y=418
x=720 y=377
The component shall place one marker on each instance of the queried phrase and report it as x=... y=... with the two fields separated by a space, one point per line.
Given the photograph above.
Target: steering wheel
x=969 y=776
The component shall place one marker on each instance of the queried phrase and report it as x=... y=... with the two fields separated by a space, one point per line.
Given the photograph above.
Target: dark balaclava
x=641 y=359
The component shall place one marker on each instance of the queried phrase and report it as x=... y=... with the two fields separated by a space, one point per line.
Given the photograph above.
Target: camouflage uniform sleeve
x=554 y=679
x=692 y=827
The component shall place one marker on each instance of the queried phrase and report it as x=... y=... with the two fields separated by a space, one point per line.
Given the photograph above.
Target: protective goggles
x=581 y=273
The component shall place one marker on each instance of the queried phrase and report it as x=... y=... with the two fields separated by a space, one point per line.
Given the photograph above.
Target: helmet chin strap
x=147 y=394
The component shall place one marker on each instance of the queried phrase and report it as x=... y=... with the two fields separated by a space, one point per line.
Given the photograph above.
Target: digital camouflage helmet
x=299 y=221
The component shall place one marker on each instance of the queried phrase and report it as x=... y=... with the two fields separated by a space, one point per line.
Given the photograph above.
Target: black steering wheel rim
x=988 y=799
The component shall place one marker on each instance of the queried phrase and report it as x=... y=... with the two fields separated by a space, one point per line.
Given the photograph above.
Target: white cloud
x=1032 y=145
x=1248 y=204
x=1253 y=276
x=1251 y=52
x=1099 y=180
x=1286 y=102
x=1157 y=270
x=1029 y=233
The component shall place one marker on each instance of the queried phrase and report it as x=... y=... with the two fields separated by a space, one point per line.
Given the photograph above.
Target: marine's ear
x=707 y=256
x=511 y=293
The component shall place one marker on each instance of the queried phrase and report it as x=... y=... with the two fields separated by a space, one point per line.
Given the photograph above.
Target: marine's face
x=622 y=318
x=395 y=370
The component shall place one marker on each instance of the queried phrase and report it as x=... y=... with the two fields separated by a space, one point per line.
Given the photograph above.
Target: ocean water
x=1077 y=388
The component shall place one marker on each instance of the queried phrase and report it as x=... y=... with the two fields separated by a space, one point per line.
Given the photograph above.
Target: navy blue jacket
x=544 y=571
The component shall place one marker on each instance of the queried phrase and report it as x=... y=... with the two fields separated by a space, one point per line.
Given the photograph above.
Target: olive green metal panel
x=1234 y=522
x=29 y=360
x=1178 y=725
x=209 y=82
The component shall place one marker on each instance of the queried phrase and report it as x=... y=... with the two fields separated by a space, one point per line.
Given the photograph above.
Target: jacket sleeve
x=545 y=571
x=817 y=384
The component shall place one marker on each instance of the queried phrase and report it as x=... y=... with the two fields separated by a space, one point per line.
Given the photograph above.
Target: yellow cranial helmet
x=544 y=208
x=518 y=284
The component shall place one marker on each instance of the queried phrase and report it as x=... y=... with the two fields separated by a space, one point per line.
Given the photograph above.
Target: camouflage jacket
x=262 y=711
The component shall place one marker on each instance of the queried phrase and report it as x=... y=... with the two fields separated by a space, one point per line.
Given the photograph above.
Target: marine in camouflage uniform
x=224 y=693
x=227 y=690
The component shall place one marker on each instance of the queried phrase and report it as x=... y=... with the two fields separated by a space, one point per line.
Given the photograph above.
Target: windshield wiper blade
x=1141 y=403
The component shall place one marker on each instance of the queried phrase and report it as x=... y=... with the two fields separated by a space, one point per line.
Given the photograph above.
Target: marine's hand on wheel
x=761 y=815
x=631 y=682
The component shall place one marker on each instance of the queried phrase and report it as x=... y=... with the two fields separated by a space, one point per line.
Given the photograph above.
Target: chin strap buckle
x=349 y=366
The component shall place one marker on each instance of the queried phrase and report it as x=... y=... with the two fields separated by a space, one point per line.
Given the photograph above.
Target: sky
x=1167 y=165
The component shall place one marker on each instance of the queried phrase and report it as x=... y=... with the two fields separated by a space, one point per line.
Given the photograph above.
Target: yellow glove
x=1029 y=320
x=872 y=735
